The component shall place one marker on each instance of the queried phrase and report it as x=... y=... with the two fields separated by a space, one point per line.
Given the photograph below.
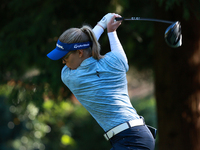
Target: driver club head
x=173 y=36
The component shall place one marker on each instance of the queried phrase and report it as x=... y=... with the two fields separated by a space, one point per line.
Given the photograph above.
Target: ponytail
x=84 y=34
x=95 y=44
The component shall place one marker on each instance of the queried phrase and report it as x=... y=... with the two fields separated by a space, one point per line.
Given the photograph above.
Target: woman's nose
x=63 y=61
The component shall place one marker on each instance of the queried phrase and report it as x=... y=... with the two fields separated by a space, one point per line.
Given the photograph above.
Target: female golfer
x=100 y=84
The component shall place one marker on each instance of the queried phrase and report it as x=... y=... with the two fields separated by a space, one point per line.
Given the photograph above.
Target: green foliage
x=169 y=4
x=189 y=7
x=146 y=107
x=69 y=125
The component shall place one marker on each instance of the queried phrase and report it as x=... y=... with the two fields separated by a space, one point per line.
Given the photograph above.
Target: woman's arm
x=98 y=30
x=115 y=44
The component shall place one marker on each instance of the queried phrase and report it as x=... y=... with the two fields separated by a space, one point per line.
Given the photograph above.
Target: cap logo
x=83 y=45
x=59 y=46
x=72 y=46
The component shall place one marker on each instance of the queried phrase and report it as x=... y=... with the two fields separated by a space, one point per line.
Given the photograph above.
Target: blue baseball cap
x=63 y=48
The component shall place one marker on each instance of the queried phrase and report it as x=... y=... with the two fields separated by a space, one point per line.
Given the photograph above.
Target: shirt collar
x=88 y=61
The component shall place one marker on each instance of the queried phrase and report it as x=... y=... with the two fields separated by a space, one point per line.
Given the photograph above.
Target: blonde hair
x=79 y=35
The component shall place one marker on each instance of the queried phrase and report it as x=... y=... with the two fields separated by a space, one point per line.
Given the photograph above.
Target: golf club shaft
x=143 y=19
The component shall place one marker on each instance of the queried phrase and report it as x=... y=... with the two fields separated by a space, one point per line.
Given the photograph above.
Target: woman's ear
x=80 y=53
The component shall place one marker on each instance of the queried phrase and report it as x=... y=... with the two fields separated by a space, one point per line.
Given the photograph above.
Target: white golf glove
x=104 y=21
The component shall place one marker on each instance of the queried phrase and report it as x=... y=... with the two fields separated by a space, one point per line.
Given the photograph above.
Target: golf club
x=173 y=36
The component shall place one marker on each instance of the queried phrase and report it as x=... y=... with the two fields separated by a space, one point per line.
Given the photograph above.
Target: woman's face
x=73 y=59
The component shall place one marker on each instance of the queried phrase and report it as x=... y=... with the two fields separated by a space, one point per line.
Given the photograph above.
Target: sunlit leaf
x=67 y=140
x=48 y=104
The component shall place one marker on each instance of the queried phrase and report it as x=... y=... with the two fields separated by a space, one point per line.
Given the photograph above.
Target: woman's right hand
x=112 y=24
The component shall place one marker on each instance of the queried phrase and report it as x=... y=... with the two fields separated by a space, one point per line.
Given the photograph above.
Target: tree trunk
x=177 y=84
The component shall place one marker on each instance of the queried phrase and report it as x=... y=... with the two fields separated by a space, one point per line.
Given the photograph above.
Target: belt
x=138 y=122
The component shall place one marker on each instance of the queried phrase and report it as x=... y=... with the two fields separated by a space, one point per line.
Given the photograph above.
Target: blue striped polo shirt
x=101 y=87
